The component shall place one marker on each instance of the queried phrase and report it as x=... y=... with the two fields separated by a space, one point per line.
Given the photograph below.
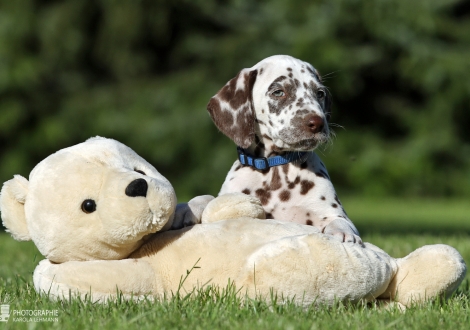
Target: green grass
x=425 y=216
x=397 y=226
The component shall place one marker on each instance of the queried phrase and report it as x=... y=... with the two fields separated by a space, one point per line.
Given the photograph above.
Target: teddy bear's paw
x=343 y=231
x=189 y=214
x=427 y=273
x=232 y=206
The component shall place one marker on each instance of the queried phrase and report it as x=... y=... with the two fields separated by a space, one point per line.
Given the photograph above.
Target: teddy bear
x=106 y=221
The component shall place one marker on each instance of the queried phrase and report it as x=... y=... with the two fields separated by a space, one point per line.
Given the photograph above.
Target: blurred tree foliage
x=142 y=72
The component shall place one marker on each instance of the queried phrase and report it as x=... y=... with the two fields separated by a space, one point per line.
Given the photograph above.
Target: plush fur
x=100 y=215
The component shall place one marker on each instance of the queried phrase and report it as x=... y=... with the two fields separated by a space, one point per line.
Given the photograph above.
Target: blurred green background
x=142 y=72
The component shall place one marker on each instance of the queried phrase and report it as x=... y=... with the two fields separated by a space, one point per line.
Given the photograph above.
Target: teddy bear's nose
x=136 y=188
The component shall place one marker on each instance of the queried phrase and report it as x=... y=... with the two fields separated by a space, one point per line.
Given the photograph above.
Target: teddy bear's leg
x=232 y=206
x=318 y=269
x=428 y=272
x=190 y=213
x=95 y=280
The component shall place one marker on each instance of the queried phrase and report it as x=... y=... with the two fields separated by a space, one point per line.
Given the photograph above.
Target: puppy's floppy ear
x=12 y=199
x=232 y=110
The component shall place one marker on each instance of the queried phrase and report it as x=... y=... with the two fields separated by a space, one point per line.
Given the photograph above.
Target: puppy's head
x=281 y=98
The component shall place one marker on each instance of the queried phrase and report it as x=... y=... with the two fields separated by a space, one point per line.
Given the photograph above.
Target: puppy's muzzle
x=314 y=124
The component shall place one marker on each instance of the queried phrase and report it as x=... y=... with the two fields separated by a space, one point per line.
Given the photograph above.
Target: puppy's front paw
x=190 y=213
x=345 y=237
x=343 y=230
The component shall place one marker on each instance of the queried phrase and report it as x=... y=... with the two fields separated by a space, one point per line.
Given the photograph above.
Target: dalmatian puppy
x=277 y=112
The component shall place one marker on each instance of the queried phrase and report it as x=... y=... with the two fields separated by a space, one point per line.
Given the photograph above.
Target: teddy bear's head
x=95 y=200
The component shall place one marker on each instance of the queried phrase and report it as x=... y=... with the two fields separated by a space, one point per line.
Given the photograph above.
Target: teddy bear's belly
x=262 y=255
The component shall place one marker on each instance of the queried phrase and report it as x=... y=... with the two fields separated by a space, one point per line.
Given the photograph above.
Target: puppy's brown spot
x=300 y=102
x=238 y=167
x=275 y=180
x=308 y=214
x=284 y=196
x=246 y=191
x=334 y=205
x=309 y=222
x=322 y=198
x=264 y=172
x=263 y=195
x=301 y=112
x=305 y=186
x=285 y=168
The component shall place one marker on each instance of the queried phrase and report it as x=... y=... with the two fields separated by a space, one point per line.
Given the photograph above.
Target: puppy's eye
x=278 y=93
x=321 y=94
x=139 y=171
x=88 y=206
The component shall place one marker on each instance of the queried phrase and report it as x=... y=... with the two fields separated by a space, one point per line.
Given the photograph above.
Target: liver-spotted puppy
x=277 y=112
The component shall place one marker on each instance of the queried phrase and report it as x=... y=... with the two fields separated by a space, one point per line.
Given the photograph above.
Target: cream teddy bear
x=100 y=215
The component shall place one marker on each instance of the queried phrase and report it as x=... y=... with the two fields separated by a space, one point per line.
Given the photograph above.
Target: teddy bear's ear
x=12 y=199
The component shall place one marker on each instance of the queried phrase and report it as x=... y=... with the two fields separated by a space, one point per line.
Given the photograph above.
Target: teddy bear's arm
x=103 y=279
x=189 y=214
x=233 y=206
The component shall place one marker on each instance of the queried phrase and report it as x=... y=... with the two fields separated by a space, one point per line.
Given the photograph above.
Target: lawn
x=397 y=226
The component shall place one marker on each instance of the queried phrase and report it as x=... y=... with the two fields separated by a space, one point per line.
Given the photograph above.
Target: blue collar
x=262 y=163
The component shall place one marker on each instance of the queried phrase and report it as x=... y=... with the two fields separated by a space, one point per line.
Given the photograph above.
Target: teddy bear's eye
x=88 y=206
x=139 y=171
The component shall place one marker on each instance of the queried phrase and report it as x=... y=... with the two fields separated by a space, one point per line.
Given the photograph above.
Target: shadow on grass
x=401 y=227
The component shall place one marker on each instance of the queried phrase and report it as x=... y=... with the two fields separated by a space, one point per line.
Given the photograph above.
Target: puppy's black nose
x=136 y=188
x=315 y=123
